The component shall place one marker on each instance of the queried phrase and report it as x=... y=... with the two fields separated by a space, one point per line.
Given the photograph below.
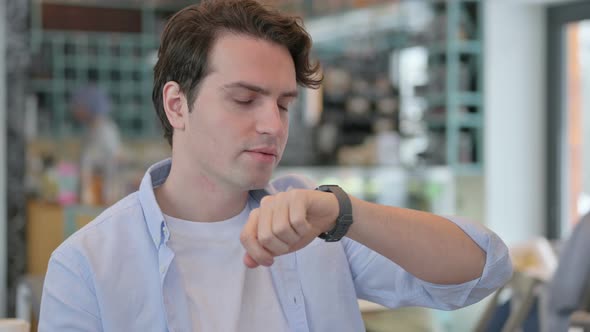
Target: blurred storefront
x=402 y=97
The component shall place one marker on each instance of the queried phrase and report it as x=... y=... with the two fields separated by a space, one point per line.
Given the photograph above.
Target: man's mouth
x=264 y=154
x=267 y=151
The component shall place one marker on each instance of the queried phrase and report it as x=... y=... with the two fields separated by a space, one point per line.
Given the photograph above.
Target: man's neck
x=189 y=196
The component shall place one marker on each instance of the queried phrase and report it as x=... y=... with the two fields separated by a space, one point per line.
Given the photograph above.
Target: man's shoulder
x=107 y=228
x=290 y=181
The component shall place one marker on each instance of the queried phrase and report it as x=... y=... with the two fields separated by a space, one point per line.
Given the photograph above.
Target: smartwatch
x=344 y=219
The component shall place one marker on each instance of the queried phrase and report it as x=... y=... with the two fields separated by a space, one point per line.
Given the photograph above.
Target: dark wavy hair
x=190 y=34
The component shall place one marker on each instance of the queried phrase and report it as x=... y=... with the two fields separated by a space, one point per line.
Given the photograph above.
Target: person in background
x=569 y=289
x=100 y=149
x=207 y=243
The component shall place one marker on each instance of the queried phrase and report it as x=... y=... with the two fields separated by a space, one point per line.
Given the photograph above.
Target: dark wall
x=17 y=58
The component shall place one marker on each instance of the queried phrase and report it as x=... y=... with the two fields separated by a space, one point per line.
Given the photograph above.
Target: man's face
x=237 y=130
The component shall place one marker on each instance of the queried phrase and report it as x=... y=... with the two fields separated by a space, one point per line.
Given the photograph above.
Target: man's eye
x=283 y=108
x=244 y=101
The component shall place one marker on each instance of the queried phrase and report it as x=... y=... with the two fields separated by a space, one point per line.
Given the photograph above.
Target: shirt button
x=162 y=269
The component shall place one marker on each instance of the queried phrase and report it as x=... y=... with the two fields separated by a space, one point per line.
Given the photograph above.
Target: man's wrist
x=344 y=219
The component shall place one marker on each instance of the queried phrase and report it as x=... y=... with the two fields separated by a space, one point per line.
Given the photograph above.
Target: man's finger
x=249 y=239
x=266 y=237
x=298 y=215
x=281 y=221
x=250 y=262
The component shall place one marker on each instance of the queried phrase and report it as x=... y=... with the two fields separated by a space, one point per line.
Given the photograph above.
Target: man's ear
x=175 y=105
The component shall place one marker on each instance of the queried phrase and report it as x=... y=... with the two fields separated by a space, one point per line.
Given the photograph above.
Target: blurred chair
x=28 y=299
x=560 y=304
x=513 y=307
x=580 y=319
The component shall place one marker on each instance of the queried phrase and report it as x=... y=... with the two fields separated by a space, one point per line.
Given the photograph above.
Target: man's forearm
x=427 y=246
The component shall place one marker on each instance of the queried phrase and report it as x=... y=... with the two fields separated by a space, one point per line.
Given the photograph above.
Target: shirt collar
x=154 y=176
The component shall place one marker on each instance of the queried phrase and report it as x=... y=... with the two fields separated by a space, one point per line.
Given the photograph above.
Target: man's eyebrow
x=258 y=89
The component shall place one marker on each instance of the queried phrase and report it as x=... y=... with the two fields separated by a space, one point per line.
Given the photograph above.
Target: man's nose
x=270 y=121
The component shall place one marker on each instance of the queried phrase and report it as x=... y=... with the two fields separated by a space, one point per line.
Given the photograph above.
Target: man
x=197 y=249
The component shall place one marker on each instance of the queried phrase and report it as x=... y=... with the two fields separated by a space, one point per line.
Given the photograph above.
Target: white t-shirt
x=223 y=294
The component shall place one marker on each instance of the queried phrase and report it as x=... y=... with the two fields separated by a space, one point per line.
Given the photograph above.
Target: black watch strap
x=344 y=219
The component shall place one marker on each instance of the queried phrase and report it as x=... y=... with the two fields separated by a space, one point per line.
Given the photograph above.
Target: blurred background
x=478 y=108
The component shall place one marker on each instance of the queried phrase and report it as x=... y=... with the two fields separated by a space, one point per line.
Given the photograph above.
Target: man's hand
x=286 y=222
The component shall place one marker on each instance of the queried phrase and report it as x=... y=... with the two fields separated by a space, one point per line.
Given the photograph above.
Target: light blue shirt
x=119 y=274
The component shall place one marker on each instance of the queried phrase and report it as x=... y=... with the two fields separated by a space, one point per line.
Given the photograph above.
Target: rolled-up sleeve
x=380 y=280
